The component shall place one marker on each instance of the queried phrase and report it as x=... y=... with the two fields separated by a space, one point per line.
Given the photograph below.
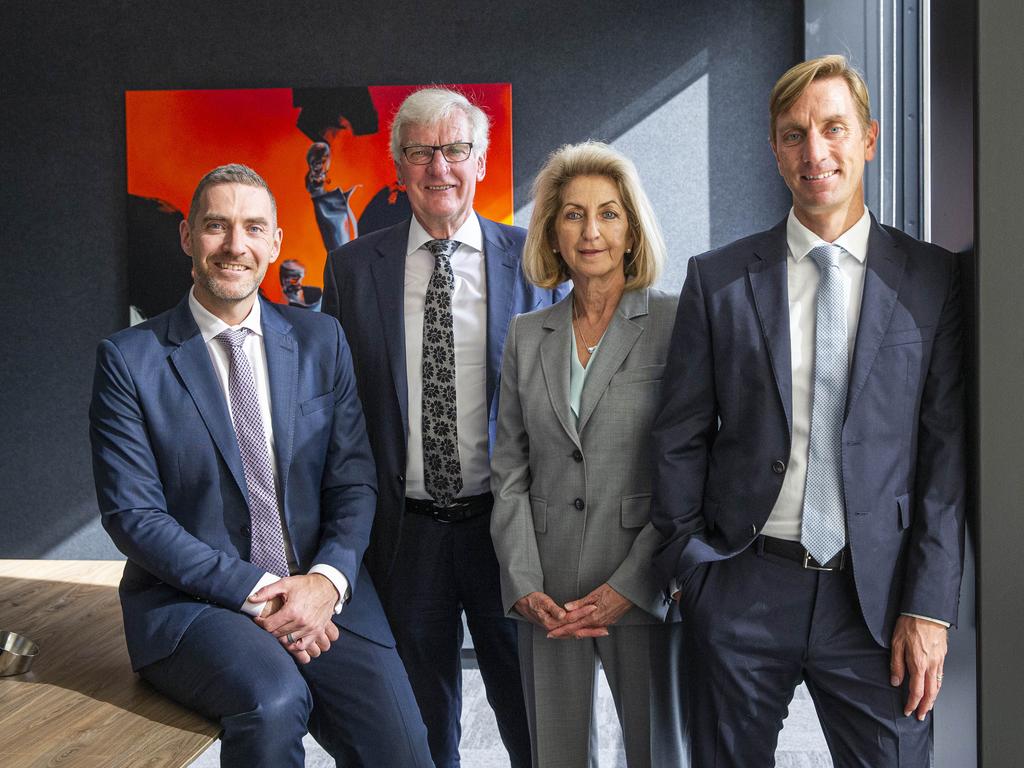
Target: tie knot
x=826 y=256
x=442 y=248
x=232 y=337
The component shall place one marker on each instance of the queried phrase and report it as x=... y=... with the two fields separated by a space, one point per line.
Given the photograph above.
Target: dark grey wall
x=951 y=219
x=577 y=69
x=1000 y=289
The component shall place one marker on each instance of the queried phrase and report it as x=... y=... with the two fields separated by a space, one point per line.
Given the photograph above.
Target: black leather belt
x=794 y=550
x=460 y=509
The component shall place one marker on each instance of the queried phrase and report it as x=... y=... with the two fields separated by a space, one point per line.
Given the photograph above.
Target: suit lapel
x=389 y=276
x=883 y=273
x=618 y=340
x=768 y=276
x=501 y=266
x=283 y=371
x=555 y=348
x=191 y=360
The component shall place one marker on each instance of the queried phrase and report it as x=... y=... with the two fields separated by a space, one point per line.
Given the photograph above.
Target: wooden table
x=81 y=705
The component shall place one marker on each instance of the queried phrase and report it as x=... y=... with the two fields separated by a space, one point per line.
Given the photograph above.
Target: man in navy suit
x=426 y=305
x=233 y=470
x=810 y=444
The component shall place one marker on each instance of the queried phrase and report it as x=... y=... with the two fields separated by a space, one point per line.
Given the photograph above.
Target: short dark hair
x=232 y=173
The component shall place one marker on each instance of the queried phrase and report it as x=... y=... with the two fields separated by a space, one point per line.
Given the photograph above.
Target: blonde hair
x=795 y=81
x=546 y=269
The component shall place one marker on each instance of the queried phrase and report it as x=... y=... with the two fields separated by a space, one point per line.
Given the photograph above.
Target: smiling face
x=592 y=230
x=233 y=239
x=441 y=193
x=821 y=147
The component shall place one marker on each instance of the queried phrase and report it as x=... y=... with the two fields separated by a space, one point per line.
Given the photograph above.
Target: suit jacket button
x=579 y=504
x=245 y=530
x=778 y=467
x=401 y=479
x=577 y=455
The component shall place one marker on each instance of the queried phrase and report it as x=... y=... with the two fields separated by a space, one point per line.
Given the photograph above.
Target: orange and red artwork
x=324 y=152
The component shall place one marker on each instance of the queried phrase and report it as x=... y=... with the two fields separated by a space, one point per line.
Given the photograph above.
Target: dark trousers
x=355 y=699
x=755 y=626
x=441 y=570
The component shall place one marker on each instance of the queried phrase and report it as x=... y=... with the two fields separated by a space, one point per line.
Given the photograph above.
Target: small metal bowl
x=16 y=654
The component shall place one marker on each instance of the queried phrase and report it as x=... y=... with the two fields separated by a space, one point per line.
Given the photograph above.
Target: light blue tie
x=822 y=530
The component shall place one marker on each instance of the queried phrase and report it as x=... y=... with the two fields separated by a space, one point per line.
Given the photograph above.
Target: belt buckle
x=445 y=514
x=809 y=567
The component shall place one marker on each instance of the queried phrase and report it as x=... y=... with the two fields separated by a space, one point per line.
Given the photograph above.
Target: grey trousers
x=642 y=665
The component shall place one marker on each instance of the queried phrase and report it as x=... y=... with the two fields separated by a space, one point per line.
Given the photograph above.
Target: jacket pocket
x=636 y=510
x=903 y=506
x=540 y=514
x=639 y=375
x=908 y=336
x=317 y=403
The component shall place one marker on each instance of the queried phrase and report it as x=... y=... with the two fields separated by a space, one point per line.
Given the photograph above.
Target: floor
x=801 y=744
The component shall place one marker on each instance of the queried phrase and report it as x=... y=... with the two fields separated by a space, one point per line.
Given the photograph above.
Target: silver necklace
x=579 y=327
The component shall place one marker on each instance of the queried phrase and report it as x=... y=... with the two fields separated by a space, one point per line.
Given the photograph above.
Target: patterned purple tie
x=267 y=549
x=442 y=470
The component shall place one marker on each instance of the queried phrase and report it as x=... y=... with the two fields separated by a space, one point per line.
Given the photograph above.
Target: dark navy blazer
x=723 y=432
x=364 y=287
x=169 y=476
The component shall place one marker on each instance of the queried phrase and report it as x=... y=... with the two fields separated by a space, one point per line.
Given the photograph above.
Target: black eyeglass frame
x=434 y=148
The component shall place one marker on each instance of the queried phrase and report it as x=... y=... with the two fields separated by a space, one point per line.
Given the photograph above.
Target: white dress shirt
x=803 y=279
x=210 y=326
x=469 y=314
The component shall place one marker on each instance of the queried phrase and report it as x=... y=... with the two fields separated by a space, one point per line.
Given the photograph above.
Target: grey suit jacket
x=572 y=503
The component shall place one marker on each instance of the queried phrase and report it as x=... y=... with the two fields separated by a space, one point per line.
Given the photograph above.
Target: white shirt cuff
x=255 y=609
x=928 y=618
x=673 y=587
x=337 y=578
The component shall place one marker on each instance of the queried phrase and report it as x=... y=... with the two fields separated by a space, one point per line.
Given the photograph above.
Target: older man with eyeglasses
x=426 y=305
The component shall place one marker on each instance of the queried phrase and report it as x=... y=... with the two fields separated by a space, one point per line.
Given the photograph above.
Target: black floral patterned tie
x=442 y=470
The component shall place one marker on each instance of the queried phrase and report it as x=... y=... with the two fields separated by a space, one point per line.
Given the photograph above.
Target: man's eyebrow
x=209 y=217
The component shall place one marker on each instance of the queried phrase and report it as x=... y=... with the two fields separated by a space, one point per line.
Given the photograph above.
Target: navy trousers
x=355 y=699
x=754 y=627
x=441 y=570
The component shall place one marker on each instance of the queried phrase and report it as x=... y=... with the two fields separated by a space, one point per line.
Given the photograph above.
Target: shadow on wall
x=681 y=88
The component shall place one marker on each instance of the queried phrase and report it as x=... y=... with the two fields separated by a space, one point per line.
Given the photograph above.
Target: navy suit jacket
x=169 y=476
x=364 y=287
x=723 y=432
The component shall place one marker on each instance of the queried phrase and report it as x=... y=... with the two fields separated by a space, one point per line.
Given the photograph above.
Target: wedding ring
x=938 y=676
x=292 y=639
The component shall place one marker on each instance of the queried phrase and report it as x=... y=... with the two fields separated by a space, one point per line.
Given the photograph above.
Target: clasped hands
x=300 y=606
x=589 y=616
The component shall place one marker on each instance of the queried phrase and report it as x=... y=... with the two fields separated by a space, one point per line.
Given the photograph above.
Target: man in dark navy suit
x=232 y=469
x=426 y=305
x=810 y=444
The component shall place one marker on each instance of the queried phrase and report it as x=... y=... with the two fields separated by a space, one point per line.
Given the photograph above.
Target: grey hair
x=232 y=173
x=428 y=107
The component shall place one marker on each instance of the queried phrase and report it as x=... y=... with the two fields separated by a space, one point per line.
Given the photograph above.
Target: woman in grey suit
x=571 y=470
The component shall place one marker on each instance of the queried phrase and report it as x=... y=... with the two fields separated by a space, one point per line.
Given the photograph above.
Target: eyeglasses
x=423 y=154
